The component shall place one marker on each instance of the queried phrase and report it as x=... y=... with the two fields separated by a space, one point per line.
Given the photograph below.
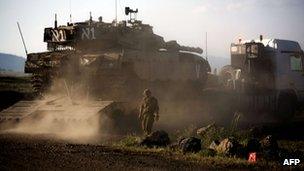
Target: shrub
x=129 y=141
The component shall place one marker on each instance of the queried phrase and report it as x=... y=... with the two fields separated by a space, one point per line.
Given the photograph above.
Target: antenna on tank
x=91 y=19
x=55 y=24
x=116 y=11
x=206 y=47
x=22 y=38
x=70 y=5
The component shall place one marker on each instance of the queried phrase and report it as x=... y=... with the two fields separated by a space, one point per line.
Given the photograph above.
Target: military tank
x=110 y=64
x=115 y=60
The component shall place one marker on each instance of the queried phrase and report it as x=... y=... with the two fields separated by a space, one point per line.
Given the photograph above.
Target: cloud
x=200 y=9
x=214 y=6
x=274 y=3
x=242 y=5
x=235 y=6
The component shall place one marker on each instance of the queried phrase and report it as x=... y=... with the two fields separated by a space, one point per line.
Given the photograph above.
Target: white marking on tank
x=88 y=33
x=58 y=35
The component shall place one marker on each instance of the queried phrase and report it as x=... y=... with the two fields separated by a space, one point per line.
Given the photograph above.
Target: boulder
x=202 y=131
x=191 y=144
x=270 y=147
x=269 y=142
x=157 y=138
x=228 y=146
x=214 y=145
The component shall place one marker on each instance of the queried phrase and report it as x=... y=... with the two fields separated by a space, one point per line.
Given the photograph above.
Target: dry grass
x=18 y=84
x=291 y=145
x=203 y=158
x=208 y=157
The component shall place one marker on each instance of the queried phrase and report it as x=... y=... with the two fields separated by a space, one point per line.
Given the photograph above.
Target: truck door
x=295 y=72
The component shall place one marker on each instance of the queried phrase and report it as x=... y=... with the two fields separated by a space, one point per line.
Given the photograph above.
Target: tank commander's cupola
x=133 y=14
x=100 y=19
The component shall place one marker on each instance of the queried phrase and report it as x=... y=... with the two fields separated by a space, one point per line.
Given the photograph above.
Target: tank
x=97 y=71
x=115 y=61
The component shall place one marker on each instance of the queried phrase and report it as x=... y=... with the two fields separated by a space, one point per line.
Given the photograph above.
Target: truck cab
x=289 y=67
x=270 y=70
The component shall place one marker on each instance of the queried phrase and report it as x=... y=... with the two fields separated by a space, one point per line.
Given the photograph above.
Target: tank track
x=41 y=82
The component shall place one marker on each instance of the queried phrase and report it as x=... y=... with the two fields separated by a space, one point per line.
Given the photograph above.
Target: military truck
x=266 y=75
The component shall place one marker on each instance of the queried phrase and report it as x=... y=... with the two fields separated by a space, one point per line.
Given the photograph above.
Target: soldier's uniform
x=148 y=112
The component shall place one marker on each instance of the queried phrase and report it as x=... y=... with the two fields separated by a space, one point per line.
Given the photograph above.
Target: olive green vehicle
x=115 y=60
x=111 y=63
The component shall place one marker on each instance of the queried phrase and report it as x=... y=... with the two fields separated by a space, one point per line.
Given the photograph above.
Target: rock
x=269 y=142
x=157 y=138
x=228 y=146
x=253 y=145
x=191 y=144
x=214 y=145
x=202 y=131
x=270 y=147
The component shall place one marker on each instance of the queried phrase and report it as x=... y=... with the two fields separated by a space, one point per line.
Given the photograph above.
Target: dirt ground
x=39 y=152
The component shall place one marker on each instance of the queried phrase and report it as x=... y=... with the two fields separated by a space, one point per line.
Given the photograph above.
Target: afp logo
x=290 y=162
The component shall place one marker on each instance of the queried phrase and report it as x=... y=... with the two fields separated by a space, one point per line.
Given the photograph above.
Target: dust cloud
x=181 y=105
x=69 y=111
x=66 y=113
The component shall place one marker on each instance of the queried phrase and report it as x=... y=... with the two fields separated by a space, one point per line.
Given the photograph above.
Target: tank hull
x=120 y=76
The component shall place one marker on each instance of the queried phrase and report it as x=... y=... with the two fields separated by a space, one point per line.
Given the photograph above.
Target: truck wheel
x=286 y=107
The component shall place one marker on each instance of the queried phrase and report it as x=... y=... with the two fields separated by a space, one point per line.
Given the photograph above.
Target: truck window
x=252 y=51
x=296 y=63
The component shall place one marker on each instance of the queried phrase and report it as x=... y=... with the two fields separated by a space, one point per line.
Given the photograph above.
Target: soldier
x=148 y=111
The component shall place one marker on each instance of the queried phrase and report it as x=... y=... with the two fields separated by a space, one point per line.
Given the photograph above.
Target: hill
x=218 y=62
x=10 y=62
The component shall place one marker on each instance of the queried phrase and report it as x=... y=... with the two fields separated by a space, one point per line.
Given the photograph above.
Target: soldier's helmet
x=147 y=92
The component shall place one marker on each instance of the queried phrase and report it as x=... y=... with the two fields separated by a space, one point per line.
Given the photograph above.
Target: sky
x=186 y=21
